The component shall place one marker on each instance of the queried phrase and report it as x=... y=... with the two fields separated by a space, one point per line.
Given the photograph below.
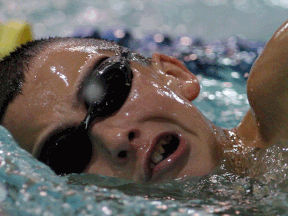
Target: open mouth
x=166 y=145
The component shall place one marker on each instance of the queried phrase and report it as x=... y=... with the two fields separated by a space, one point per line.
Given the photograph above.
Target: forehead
x=67 y=55
x=69 y=59
x=91 y=46
x=59 y=53
x=60 y=67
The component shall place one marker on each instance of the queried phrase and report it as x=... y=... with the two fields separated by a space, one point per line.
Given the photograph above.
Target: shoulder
x=267 y=90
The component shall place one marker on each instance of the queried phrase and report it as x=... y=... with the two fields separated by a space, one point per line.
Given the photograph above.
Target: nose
x=118 y=141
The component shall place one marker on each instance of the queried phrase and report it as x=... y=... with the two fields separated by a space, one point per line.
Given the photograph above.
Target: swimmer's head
x=156 y=134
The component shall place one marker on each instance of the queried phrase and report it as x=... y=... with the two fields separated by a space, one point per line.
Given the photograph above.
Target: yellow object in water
x=13 y=34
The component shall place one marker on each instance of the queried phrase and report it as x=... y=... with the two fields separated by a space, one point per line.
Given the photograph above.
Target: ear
x=177 y=75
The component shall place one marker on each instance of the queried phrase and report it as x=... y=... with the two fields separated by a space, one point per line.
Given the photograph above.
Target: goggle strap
x=125 y=52
x=87 y=121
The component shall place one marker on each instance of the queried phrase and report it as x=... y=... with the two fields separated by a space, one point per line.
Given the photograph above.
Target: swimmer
x=91 y=106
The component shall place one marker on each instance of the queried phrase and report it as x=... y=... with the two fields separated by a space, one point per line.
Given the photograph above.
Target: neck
x=234 y=150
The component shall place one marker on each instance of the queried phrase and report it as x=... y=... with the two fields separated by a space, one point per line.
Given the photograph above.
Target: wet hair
x=12 y=72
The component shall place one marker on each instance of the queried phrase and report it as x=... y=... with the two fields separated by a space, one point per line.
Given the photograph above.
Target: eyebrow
x=138 y=58
x=102 y=45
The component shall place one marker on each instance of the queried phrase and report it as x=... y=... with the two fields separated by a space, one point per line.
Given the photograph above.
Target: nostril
x=122 y=154
x=131 y=136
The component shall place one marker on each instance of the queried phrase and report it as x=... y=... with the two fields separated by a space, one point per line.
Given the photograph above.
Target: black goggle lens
x=113 y=82
x=67 y=154
x=70 y=151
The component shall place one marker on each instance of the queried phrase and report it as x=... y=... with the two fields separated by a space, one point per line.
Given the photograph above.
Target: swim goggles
x=104 y=92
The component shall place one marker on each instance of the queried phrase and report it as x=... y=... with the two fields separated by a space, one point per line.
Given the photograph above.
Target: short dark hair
x=12 y=72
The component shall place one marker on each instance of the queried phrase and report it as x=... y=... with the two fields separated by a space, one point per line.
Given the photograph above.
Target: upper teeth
x=157 y=156
x=160 y=149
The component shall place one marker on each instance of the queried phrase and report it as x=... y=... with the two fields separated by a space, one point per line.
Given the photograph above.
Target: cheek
x=201 y=162
x=99 y=167
x=102 y=164
x=149 y=92
x=210 y=150
x=99 y=163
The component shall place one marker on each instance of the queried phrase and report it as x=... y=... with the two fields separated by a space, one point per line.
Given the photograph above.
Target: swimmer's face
x=157 y=118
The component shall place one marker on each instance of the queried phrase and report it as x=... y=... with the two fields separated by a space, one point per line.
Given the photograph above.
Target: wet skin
x=159 y=103
x=266 y=123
